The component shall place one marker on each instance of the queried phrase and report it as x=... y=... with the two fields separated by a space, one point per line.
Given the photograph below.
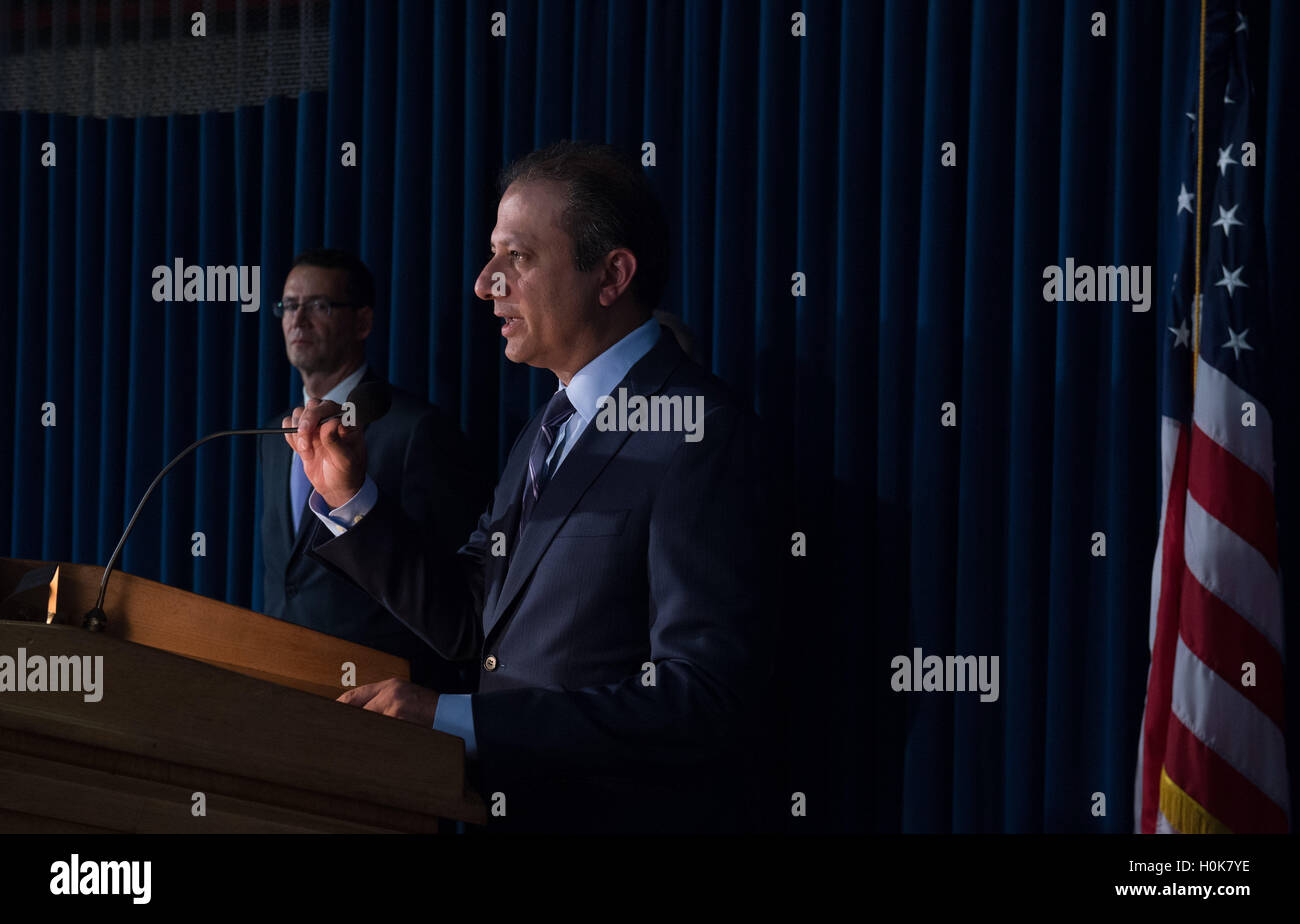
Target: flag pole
x=1200 y=138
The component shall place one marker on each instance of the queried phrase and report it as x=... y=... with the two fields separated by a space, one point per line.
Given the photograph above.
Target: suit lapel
x=284 y=479
x=277 y=480
x=593 y=451
x=589 y=456
x=300 y=537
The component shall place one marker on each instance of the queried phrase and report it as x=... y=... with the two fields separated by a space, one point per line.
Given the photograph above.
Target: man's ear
x=365 y=321
x=616 y=275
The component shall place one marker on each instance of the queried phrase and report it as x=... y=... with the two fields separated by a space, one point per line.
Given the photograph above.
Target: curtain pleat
x=1130 y=458
x=1029 y=418
x=248 y=402
x=982 y=408
x=11 y=196
x=87 y=359
x=848 y=365
x=183 y=360
x=28 y=486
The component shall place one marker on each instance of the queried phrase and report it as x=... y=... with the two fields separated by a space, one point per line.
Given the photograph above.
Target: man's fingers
x=382 y=697
x=292 y=421
x=306 y=418
x=316 y=435
x=359 y=696
x=333 y=433
x=308 y=423
x=344 y=439
x=312 y=415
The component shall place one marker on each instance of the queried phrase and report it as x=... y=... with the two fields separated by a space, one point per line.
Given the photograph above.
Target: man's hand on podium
x=400 y=699
x=333 y=456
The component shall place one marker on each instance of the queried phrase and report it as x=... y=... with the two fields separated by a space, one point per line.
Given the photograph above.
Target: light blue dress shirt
x=339 y=393
x=455 y=712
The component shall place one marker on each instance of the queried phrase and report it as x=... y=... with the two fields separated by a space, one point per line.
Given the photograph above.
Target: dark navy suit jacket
x=416 y=455
x=643 y=549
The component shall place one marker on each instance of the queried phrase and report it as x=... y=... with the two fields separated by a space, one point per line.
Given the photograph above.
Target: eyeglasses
x=317 y=305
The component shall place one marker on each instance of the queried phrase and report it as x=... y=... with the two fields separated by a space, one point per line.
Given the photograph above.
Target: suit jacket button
x=490 y=663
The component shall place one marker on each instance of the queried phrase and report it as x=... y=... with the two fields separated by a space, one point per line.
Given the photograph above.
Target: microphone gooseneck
x=370 y=401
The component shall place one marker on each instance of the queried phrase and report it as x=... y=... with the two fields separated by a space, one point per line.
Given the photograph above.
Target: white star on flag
x=1237 y=342
x=1227 y=220
x=1184 y=199
x=1232 y=279
x=1225 y=158
x=1182 y=336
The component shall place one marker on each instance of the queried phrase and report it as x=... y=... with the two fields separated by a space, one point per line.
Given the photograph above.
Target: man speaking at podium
x=612 y=592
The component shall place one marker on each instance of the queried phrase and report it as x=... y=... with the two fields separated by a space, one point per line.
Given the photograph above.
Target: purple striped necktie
x=558 y=410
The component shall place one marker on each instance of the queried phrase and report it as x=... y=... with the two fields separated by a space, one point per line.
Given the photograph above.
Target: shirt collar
x=601 y=376
x=339 y=393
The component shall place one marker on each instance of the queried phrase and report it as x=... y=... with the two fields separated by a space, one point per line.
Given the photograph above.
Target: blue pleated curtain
x=775 y=154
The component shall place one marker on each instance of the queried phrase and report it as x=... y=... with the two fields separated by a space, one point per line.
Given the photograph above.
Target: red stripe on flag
x=1224 y=640
x=1233 y=493
x=1161 y=677
x=1218 y=787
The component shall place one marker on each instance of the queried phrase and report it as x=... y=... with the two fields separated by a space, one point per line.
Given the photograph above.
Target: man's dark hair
x=609 y=203
x=357 y=277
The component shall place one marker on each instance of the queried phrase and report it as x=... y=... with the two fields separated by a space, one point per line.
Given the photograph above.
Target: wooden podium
x=197 y=696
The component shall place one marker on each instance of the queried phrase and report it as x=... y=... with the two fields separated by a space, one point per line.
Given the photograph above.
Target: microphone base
x=95 y=620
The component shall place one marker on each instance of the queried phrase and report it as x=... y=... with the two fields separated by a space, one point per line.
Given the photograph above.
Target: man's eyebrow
x=522 y=240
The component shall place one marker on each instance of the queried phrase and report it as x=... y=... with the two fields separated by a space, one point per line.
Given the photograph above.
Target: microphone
x=366 y=403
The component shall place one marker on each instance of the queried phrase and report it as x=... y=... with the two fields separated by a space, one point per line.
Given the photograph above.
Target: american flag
x=1212 y=756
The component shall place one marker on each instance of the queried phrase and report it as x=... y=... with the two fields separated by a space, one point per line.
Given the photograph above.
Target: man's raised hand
x=333 y=456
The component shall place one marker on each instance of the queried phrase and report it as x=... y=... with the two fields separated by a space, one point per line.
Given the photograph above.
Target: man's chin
x=304 y=362
x=516 y=353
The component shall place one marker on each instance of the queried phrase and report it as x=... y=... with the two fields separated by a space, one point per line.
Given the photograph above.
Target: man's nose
x=483 y=286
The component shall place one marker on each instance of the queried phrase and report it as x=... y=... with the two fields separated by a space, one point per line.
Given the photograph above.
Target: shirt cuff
x=339 y=520
x=455 y=716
